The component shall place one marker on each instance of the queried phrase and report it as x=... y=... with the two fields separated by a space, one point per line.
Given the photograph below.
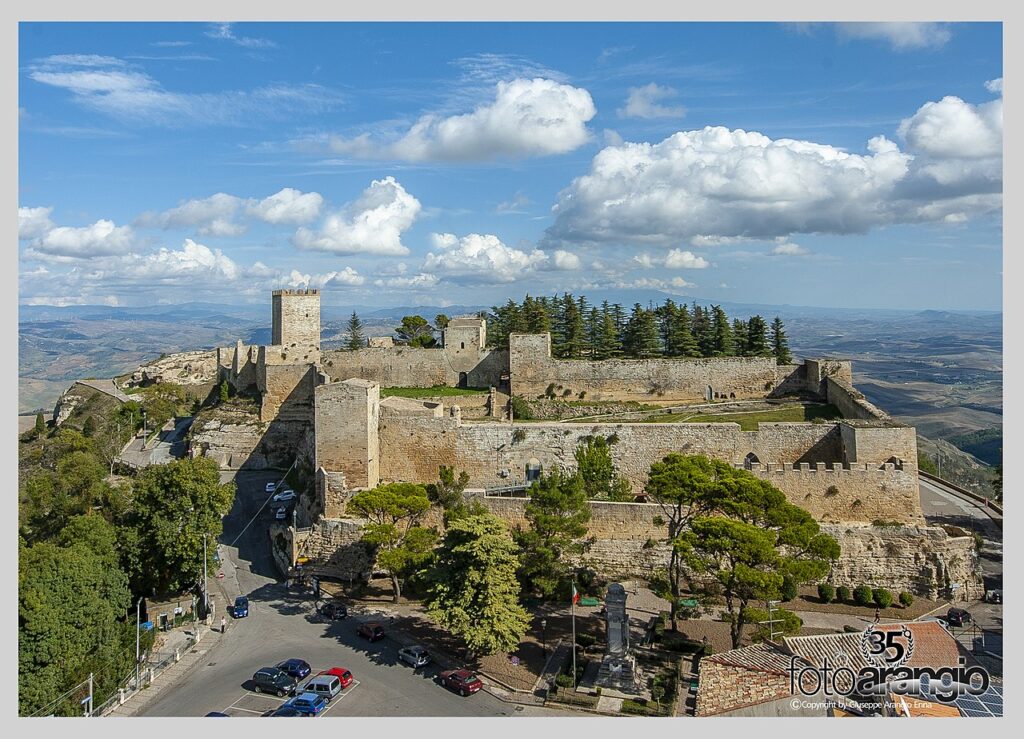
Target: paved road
x=282 y=624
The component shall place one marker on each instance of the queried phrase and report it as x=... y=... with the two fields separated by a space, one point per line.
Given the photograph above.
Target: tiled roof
x=933 y=646
x=912 y=706
x=763 y=657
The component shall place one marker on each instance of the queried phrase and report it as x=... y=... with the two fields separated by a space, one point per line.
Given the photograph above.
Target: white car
x=271 y=487
x=414 y=656
x=285 y=496
x=282 y=514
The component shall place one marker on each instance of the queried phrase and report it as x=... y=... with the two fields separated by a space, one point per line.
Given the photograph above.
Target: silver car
x=414 y=656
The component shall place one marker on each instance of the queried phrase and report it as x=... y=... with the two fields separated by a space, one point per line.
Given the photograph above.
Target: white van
x=326 y=685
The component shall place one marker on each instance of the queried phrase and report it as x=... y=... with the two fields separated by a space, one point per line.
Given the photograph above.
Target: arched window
x=462 y=344
x=750 y=460
x=533 y=469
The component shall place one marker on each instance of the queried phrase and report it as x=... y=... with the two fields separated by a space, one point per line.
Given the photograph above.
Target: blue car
x=309 y=704
x=241 y=607
x=285 y=711
x=297 y=668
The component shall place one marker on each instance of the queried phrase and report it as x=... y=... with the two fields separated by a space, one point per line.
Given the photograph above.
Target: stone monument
x=617 y=671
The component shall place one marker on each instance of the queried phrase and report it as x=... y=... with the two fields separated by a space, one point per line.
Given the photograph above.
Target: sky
x=852 y=165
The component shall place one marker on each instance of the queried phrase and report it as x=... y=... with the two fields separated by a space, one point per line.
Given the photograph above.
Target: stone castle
x=325 y=409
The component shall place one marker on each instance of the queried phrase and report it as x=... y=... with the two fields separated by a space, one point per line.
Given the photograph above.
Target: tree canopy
x=416 y=331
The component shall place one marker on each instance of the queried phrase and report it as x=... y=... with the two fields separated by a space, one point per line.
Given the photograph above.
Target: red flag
x=575 y=595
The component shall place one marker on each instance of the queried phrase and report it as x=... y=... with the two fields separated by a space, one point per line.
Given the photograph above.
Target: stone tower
x=296 y=318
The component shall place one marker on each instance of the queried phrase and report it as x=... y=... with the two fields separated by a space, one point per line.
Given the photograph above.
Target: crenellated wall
x=850 y=401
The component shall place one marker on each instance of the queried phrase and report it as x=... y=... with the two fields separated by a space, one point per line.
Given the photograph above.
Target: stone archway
x=533 y=469
x=709 y=394
x=750 y=460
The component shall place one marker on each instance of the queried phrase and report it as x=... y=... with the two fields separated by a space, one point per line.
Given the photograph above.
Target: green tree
x=739 y=337
x=441 y=321
x=558 y=514
x=356 y=338
x=40 y=427
x=997 y=483
x=223 y=391
x=608 y=344
x=757 y=337
x=641 y=334
x=703 y=331
x=474 y=592
x=780 y=343
x=595 y=469
x=175 y=504
x=535 y=316
x=789 y=623
x=416 y=331
x=723 y=343
x=395 y=511
x=447 y=491
x=683 y=342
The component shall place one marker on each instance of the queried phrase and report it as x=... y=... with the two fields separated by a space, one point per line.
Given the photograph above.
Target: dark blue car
x=297 y=668
x=309 y=704
x=241 y=607
x=285 y=710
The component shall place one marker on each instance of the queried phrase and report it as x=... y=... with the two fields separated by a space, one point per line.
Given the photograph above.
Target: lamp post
x=143 y=428
x=206 y=600
x=138 y=628
x=544 y=634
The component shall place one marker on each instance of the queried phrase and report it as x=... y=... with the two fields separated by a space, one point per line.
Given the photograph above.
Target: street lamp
x=143 y=428
x=544 y=634
x=138 y=628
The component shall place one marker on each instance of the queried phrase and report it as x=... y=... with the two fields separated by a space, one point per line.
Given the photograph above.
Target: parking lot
x=252 y=704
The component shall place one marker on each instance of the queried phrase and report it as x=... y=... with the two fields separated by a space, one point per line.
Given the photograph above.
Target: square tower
x=296 y=318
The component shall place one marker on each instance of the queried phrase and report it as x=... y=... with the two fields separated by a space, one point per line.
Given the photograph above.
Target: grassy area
x=789 y=413
x=430 y=392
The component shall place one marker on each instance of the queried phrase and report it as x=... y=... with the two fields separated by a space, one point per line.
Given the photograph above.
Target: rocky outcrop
x=184 y=368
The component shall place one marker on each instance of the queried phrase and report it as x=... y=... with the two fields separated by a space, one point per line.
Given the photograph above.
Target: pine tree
x=642 y=339
x=723 y=343
x=570 y=343
x=40 y=427
x=683 y=342
x=739 y=337
x=608 y=345
x=535 y=316
x=666 y=316
x=583 y=308
x=703 y=331
x=780 y=344
x=619 y=317
x=757 y=337
x=593 y=332
x=356 y=339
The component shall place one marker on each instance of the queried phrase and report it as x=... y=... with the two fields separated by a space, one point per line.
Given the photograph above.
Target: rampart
x=850 y=402
x=410 y=366
x=296 y=318
x=533 y=371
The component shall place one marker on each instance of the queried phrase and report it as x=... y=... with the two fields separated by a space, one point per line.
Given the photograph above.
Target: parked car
x=958 y=617
x=371 y=630
x=241 y=607
x=308 y=704
x=940 y=621
x=414 y=656
x=271 y=487
x=216 y=713
x=273 y=680
x=281 y=514
x=994 y=596
x=333 y=610
x=297 y=668
x=285 y=496
x=343 y=675
x=285 y=711
x=462 y=682
x=326 y=685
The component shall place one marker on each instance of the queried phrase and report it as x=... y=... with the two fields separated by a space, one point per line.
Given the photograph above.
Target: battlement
x=296 y=318
x=299 y=291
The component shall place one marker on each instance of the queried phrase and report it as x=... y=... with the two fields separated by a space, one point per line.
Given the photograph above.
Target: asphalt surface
x=283 y=624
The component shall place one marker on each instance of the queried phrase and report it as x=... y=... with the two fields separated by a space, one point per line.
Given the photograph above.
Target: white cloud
x=717 y=186
x=565 y=260
x=995 y=85
x=954 y=129
x=33 y=222
x=481 y=258
x=110 y=86
x=347 y=276
x=102 y=238
x=788 y=249
x=649 y=283
x=212 y=216
x=287 y=206
x=900 y=35
x=528 y=117
x=679 y=259
x=419 y=281
x=643 y=102
x=514 y=205
x=373 y=224
x=224 y=31
x=181 y=266
x=63 y=301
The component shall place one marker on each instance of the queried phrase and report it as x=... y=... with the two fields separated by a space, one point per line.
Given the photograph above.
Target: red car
x=343 y=675
x=462 y=682
x=371 y=630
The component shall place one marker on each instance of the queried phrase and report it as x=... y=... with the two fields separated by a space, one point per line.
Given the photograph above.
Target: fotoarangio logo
x=887 y=652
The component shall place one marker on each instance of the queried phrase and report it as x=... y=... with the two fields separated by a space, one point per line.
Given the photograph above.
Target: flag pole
x=574 y=634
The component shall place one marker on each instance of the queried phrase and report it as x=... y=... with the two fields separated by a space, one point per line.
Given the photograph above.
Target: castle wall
x=850 y=402
x=347 y=421
x=820 y=369
x=286 y=391
x=533 y=370
x=410 y=366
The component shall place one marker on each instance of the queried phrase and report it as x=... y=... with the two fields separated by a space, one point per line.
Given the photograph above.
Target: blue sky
x=846 y=165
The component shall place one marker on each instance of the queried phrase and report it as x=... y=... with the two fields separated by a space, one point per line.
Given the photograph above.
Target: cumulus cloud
x=419 y=281
x=112 y=87
x=480 y=258
x=62 y=243
x=174 y=265
x=901 y=36
x=565 y=260
x=995 y=85
x=33 y=222
x=528 y=117
x=373 y=224
x=788 y=249
x=346 y=276
x=675 y=259
x=650 y=283
x=226 y=32
x=643 y=102
x=287 y=206
x=717 y=186
x=514 y=205
x=212 y=216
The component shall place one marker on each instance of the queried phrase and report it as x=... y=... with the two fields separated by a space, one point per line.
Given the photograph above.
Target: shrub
x=882 y=597
x=826 y=592
x=882 y=523
x=586 y=640
x=550 y=391
x=518 y=435
x=863 y=595
x=842 y=594
x=649 y=544
x=906 y=599
x=788 y=588
x=658 y=521
x=851 y=629
x=831 y=490
x=566 y=393
x=581 y=395
x=521 y=408
x=564 y=681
